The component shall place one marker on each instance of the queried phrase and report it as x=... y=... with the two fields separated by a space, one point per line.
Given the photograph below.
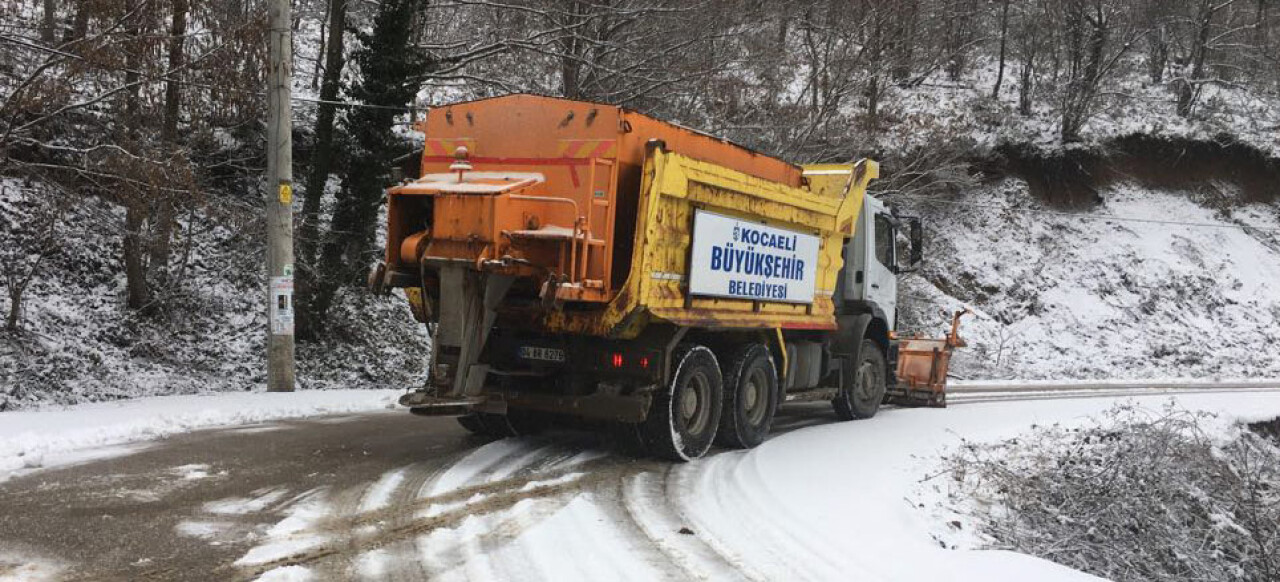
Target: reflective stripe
x=588 y=148
x=447 y=146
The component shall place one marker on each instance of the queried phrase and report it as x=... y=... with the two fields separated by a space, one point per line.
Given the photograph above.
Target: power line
x=166 y=78
x=1058 y=213
x=350 y=104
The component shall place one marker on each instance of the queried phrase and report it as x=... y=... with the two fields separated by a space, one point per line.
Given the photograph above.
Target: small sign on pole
x=282 y=305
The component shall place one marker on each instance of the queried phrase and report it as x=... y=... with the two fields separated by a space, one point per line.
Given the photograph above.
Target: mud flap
x=468 y=300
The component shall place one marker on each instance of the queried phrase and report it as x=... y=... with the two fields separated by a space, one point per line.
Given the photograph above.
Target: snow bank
x=854 y=500
x=32 y=439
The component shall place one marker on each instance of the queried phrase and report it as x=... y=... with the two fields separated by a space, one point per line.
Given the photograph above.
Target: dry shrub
x=1139 y=495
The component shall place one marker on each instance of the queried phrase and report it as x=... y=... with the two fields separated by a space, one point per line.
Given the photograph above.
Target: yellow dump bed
x=719 y=248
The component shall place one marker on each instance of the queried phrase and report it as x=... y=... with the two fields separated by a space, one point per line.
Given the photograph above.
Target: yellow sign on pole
x=286 y=193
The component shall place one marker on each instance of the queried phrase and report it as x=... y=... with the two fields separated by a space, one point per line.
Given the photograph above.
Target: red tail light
x=616 y=360
x=644 y=362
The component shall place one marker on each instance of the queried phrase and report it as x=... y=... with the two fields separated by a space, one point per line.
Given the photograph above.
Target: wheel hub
x=866 y=379
x=755 y=401
x=753 y=394
x=688 y=404
x=694 y=412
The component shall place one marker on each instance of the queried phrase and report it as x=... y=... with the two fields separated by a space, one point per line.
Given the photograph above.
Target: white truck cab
x=872 y=264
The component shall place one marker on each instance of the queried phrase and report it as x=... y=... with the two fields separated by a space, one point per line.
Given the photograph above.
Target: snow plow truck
x=582 y=263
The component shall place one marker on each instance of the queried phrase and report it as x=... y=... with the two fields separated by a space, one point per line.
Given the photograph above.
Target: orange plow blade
x=922 y=368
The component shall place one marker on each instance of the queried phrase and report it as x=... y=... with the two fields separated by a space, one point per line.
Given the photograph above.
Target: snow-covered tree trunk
x=318 y=173
x=161 y=244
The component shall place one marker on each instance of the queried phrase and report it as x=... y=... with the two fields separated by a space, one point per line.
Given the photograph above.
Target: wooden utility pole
x=279 y=194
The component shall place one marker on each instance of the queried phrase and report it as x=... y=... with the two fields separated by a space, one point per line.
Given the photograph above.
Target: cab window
x=884 y=241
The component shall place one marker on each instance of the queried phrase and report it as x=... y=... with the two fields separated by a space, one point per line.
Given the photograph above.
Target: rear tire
x=750 y=398
x=685 y=416
x=864 y=384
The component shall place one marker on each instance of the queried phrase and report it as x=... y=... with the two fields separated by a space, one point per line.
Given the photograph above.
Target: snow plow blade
x=922 y=368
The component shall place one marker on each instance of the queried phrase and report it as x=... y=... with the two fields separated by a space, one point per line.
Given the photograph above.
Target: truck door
x=881 y=277
x=871 y=261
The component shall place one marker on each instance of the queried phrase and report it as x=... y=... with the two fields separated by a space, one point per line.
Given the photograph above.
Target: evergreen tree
x=388 y=65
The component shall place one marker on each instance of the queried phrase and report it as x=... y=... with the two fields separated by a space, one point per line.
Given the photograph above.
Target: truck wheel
x=683 y=419
x=864 y=385
x=750 y=398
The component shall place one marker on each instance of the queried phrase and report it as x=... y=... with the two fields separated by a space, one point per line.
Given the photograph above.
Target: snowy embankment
x=32 y=439
x=79 y=343
x=1150 y=284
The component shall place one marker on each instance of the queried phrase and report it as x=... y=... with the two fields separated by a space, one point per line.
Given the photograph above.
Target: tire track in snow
x=466 y=519
x=397 y=561
x=759 y=541
x=401 y=560
x=615 y=506
x=647 y=498
x=550 y=476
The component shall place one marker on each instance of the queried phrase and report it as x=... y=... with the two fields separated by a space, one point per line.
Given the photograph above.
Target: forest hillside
x=1097 y=176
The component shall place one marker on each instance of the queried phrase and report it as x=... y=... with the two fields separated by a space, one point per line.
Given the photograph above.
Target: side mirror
x=917 y=241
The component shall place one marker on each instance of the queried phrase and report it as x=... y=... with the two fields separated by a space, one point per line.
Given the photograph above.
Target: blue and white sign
x=746 y=260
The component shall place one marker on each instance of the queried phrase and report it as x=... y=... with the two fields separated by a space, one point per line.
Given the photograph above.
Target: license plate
x=541 y=353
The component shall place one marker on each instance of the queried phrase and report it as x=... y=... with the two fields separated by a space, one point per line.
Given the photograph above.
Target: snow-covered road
x=386 y=496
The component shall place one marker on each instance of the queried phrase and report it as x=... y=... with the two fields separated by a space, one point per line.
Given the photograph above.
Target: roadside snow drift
x=33 y=439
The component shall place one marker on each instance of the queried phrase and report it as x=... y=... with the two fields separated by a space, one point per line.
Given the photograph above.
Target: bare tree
x=161 y=244
x=961 y=34
x=1097 y=36
x=1208 y=33
x=1155 y=18
x=49 y=29
x=1004 y=41
x=135 y=237
x=32 y=237
x=321 y=160
x=1030 y=47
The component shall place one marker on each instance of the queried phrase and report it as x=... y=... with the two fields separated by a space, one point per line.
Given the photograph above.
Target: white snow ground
x=858 y=500
x=28 y=567
x=33 y=439
x=851 y=500
x=835 y=501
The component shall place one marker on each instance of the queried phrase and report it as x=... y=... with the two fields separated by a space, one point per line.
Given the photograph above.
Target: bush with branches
x=1140 y=495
